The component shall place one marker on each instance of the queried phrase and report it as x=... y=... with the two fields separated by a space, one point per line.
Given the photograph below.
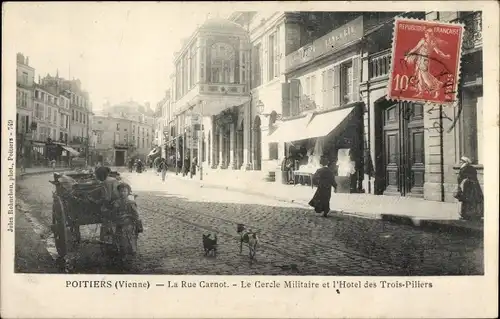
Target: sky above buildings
x=120 y=51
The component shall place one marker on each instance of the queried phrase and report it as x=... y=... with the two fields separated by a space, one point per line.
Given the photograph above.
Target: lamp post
x=202 y=140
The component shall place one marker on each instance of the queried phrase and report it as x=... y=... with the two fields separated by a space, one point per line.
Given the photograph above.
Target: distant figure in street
x=469 y=192
x=186 y=166
x=194 y=163
x=163 y=167
x=325 y=180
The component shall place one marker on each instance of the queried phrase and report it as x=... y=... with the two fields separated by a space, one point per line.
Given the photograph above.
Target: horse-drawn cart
x=78 y=201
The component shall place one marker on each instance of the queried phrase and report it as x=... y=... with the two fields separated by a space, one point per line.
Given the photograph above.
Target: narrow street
x=293 y=239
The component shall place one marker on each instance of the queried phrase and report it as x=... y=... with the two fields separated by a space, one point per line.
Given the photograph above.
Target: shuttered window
x=294 y=96
x=324 y=90
x=336 y=86
x=356 y=75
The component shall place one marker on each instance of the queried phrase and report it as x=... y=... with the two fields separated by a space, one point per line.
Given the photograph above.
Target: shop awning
x=323 y=124
x=290 y=131
x=71 y=150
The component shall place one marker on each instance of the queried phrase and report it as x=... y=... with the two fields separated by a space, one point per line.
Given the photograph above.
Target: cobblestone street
x=293 y=239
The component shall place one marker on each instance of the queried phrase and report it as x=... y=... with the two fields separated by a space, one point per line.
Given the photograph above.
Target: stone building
x=124 y=131
x=210 y=89
x=416 y=147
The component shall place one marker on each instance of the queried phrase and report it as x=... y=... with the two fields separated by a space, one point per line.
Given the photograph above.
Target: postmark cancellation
x=425 y=64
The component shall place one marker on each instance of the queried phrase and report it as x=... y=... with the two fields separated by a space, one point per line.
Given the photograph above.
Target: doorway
x=402 y=155
x=119 y=158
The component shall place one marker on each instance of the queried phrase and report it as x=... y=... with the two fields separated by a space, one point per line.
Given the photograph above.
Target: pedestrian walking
x=163 y=167
x=325 y=180
x=469 y=192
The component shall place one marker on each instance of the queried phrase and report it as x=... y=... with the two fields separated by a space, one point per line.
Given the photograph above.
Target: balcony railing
x=379 y=64
x=123 y=144
x=222 y=88
x=473 y=35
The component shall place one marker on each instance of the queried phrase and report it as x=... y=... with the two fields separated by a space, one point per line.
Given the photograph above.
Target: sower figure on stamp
x=469 y=192
x=419 y=56
x=325 y=180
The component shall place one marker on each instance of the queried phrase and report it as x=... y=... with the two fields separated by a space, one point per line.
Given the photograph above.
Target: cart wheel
x=105 y=233
x=62 y=234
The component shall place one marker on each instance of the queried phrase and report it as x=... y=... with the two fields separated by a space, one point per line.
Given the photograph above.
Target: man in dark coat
x=325 y=180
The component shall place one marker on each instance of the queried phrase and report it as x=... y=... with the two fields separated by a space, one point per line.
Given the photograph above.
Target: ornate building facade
x=210 y=89
x=416 y=147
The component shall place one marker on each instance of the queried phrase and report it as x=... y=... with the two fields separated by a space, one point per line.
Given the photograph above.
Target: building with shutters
x=210 y=90
x=164 y=127
x=25 y=83
x=124 y=131
x=415 y=151
x=74 y=108
x=322 y=112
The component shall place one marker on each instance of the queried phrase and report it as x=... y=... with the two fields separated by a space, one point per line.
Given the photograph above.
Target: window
x=65 y=137
x=185 y=73
x=222 y=63
x=346 y=78
x=84 y=118
x=125 y=138
x=54 y=134
x=273 y=54
x=257 y=65
x=55 y=116
x=49 y=114
x=471 y=126
x=50 y=99
x=99 y=138
x=192 y=67
x=273 y=151
x=37 y=94
x=73 y=115
x=61 y=136
x=117 y=126
x=56 y=101
x=25 y=78
x=178 y=93
x=39 y=111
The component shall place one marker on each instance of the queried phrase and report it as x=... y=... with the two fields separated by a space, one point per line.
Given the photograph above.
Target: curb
x=448 y=226
x=40 y=172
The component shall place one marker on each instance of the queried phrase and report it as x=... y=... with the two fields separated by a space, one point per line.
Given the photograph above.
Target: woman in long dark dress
x=469 y=191
x=325 y=180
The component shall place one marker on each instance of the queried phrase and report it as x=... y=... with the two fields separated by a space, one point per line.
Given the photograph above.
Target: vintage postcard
x=264 y=159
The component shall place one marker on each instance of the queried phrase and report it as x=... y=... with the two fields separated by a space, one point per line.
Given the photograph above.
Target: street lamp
x=260 y=107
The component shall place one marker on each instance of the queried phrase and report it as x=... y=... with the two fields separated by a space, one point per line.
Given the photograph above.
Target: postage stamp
x=425 y=65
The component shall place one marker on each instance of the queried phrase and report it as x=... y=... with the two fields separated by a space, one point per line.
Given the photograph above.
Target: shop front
x=335 y=134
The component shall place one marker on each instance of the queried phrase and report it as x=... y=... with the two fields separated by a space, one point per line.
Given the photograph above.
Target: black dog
x=210 y=245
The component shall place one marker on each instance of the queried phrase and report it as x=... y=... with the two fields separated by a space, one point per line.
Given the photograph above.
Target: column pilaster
x=232 y=146
x=221 y=148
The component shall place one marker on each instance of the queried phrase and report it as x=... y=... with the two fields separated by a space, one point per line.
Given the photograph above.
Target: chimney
x=39 y=79
x=28 y=60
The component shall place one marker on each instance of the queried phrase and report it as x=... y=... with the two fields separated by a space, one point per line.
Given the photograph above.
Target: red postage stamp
x=425 y=64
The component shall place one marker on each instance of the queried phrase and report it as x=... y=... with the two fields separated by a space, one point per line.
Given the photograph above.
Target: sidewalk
x=39 y=170
x=404 y=210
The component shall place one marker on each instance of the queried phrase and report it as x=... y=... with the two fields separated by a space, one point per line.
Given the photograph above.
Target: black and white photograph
x=175 y=140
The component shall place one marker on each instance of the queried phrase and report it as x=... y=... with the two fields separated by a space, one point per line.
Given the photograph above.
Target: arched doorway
x=257 y=144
